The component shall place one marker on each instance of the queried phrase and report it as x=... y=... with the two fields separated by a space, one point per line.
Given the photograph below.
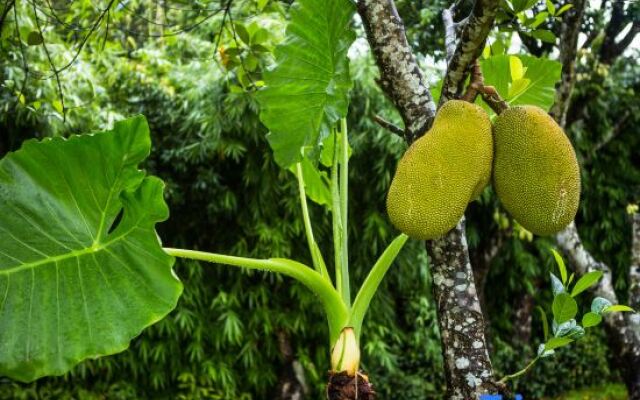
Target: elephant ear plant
x=82 y=270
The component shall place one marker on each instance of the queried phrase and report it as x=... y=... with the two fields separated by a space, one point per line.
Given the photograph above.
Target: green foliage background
x=226 y=194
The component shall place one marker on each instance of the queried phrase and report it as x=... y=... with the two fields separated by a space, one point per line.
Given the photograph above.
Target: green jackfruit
x=442 y=172
x=535 y=170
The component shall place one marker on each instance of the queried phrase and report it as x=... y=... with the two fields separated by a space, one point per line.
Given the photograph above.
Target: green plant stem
x=344 y=198
x=336 y=310
x=337 y=224
x=521 y=372
x=316 y=256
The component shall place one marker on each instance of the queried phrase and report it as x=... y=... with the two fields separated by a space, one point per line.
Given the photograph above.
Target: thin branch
x=568 y=50
x=9 y=4
x=51 y=64
x=470 y=46
x=25 y=65
x=400 y=76
x=388 y=125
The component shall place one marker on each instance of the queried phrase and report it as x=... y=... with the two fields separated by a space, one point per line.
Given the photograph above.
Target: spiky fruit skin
x=535 y=172
x=442 y=172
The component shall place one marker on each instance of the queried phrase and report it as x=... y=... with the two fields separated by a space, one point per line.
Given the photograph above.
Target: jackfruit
x=442 y=172
x=535 y=170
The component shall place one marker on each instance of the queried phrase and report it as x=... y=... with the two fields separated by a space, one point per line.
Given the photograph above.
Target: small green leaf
x=589 y=279
x=242 y=33
x=556 y=285
x=564 y=8
x=260 y=36
x=545 y=35
x=591 y=319
x=550 y=7
x=564 y=329
x=556 y=342
x=57 y=105
x=618 y=308
x=34 y=39
x=517 y=70
x=538 y=20
x=564 y=308
x=571 y=278
x=599 y=304
x=561 y=267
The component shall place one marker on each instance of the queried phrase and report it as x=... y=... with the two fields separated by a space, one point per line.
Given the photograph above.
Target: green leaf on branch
x=618 y=308
x=589 y=279
x=306 y=92
x=557 y=342
x=561 y=266
x=82 y=271
x=542 y=75
x=564 y=308
x=545 y=35
x=591 y=319
x=599 y=304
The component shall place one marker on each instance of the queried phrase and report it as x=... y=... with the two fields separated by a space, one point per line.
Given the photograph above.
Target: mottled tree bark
x=470 y=45
x=634 y=272
x=623 y=330
x=568 y=49
x=468 y=367
x=400 y=76
x=292 y=384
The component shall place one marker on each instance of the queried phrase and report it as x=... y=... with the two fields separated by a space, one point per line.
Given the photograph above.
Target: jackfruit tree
x=83 y=270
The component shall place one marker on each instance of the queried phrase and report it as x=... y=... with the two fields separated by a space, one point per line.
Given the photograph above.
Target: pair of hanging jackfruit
x=525 y=153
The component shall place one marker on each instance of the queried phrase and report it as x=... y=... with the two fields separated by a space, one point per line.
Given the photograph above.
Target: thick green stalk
x=344 y=200
x=316 y=256
x=341 y=279
x=336 y=310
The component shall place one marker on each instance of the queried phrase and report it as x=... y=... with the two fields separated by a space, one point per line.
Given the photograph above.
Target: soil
x=344 y=387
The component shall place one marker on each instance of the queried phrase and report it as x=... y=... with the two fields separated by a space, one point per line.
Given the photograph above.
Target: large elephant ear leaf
x=306 y=92
x=82 y=271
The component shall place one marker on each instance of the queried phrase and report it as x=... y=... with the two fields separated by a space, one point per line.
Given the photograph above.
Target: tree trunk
x=467 y=364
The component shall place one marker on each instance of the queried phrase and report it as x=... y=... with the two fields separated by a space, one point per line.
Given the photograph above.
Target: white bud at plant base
x=346 y=353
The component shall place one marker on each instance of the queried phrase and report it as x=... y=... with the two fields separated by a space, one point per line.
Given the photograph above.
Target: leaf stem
x=334 y=307
x=337 y=222
x=316 y=256
x=344 y=197
x=521 y=372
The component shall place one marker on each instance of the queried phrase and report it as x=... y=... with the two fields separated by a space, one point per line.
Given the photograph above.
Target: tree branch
x=623 y=330
x=400 y=76
x=470 y=46
x=634 y=271
x=568 y=49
